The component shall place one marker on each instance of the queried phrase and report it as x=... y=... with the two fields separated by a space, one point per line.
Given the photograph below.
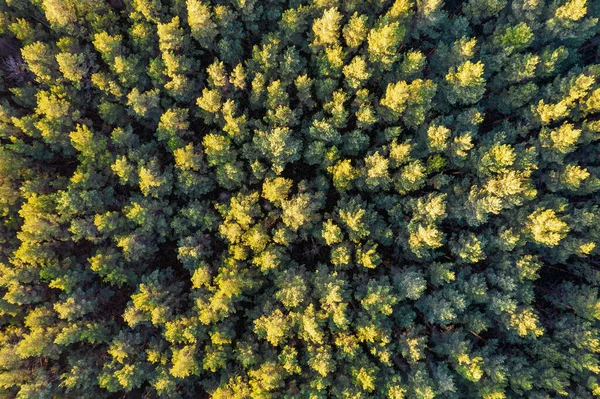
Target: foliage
x=299 y=199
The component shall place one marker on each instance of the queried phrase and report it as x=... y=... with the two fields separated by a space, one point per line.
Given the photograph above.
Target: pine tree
x=254 y=199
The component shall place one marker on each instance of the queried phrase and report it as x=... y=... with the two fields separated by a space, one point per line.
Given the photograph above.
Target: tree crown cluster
x=299 y=199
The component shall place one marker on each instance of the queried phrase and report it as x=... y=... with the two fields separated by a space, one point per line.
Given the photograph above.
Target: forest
x=231 y=199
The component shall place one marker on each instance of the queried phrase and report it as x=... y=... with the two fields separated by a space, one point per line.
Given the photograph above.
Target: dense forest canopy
x=299 y=199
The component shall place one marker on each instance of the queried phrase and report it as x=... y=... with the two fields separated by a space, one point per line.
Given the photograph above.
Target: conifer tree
x=299 y=199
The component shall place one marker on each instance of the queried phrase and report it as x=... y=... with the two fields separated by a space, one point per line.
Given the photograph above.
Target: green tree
x=319 y=199
x=199 y=17
x=327 y=28
x=466 y=83
x=383 y=40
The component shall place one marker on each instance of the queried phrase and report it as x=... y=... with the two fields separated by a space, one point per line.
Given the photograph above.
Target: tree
x=108 y=46
x=356 y=72
x=299 y=199
x=60 y=12
x=153 y=182
x=172 y=126
x=466 y=84
x=327 y=28
x=276 y=190
x=74 y=67
x=376 y=171
x=396 y=95
x=279 y=146
x=546 y=227
x=300 y=211
x=144 y=105
x=383 y=41
x=200 y=21
x=355 y=31
x=40 y=61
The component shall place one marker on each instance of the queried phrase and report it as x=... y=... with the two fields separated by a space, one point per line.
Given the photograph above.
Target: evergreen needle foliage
x=299 y=199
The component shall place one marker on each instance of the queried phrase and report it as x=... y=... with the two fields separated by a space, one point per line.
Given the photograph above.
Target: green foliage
x=383 y=40
x=466 y=83
x=299 y=199
x=326 y=29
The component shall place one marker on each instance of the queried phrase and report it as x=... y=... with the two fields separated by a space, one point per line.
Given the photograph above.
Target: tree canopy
x=299 y=199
